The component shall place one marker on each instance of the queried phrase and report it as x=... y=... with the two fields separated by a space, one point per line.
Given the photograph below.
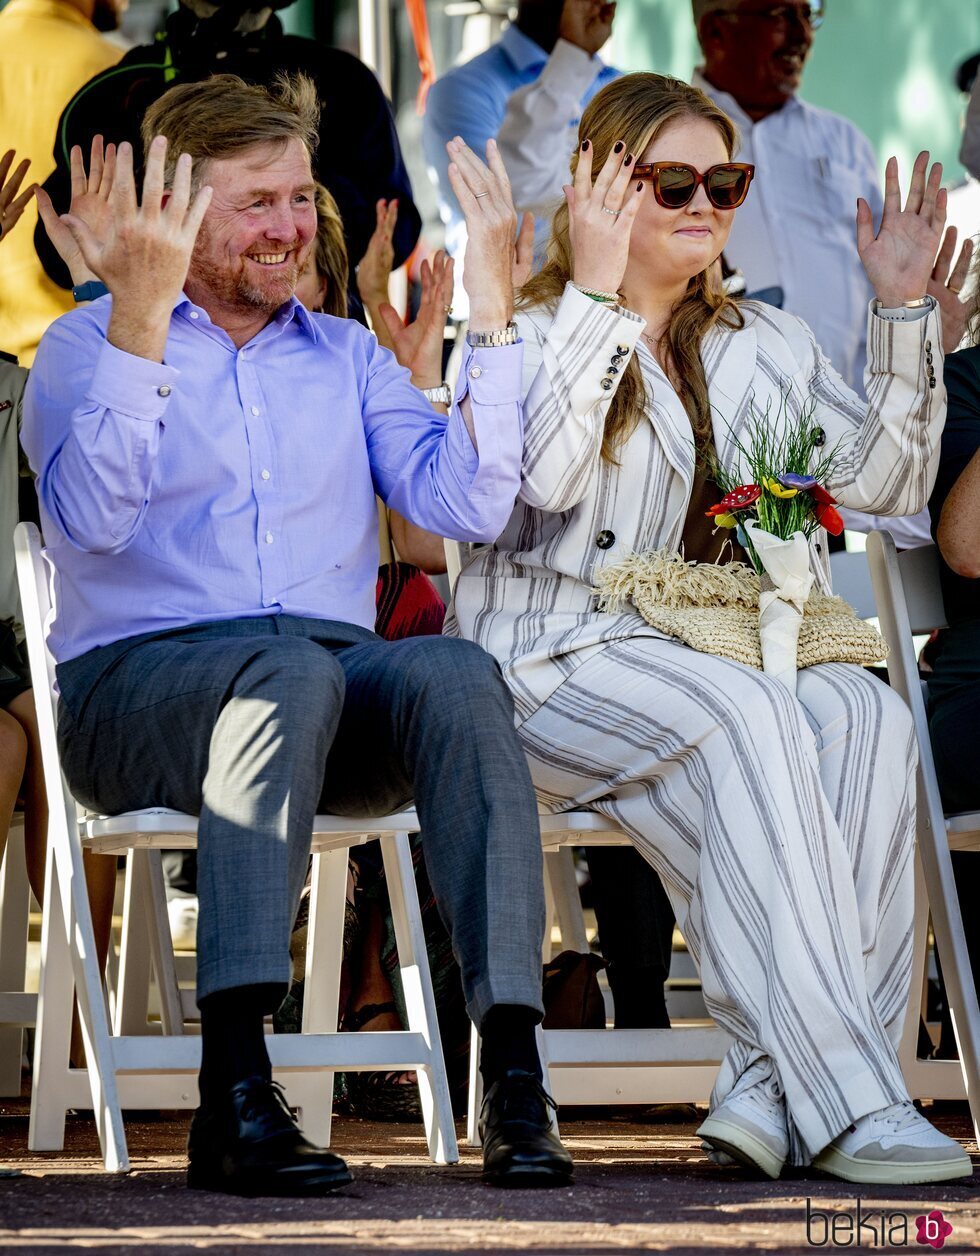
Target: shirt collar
x=730 y=105
x=524 y=52
x=293 y=308
x=51 y=8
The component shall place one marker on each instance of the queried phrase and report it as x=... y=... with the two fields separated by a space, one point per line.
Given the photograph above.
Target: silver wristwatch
x=441 y=396
x=492 y=339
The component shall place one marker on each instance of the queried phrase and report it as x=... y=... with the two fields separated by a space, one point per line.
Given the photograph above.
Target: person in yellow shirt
x=48 y=50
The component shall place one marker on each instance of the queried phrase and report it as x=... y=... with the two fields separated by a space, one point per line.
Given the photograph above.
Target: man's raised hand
x=484 y=195
x=12 y=205
x=89 y=203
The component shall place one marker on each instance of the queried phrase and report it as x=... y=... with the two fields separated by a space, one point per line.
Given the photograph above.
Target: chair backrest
x=33 y=578
x=852 y=581
x=455 y=557
x=919 y=569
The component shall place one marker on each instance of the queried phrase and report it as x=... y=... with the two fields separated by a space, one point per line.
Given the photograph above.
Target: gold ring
x=479 y=194
x=952 y=289
x=448 y=309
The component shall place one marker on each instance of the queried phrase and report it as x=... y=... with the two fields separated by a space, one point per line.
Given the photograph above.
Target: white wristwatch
x=909 y=310
x=441 y=396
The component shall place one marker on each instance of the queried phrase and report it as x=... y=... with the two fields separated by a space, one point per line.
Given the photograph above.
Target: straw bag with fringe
x=714 y=608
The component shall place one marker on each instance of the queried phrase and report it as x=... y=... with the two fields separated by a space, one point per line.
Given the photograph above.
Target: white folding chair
x=141 y=1070
x=602 y=1066
x=18 y=1008
x=909 y=602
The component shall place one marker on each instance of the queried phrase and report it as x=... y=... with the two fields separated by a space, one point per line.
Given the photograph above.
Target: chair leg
x=15 y=899
x=560 y=872
x=68 y=970
x=135 y=964
x=474 y=1100
x=324 y=956
x=420 y=1002
x=908 y=1049
x=161 y=946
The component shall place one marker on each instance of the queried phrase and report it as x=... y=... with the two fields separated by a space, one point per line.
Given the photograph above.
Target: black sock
x=508 y=1042
x=638 y=997
x=233 y=1037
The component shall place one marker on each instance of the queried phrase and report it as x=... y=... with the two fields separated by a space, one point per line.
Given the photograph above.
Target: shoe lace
x=762 y=1087
x=898 y=1118
x=268 y=1101
x=523 y=1097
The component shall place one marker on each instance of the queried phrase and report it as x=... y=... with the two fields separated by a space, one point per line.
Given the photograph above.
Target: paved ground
x=639 y=1187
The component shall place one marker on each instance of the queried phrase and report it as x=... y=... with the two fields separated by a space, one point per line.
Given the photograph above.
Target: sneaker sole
x=883 y=1173
x=741 y=1145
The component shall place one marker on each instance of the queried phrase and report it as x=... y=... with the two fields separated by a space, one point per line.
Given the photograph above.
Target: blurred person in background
x=954 y=682
x=551 y=42
x=48 y=49
x=794 y=239
x=359 y=159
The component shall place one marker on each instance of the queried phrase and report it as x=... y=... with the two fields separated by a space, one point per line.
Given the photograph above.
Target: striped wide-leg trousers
x=783 y=829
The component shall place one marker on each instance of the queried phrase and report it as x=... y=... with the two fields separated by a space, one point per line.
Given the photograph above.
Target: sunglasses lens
x=727 y=187
x=676 y=186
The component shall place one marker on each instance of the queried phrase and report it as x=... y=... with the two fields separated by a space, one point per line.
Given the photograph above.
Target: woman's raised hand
x=419 y=344
x=946 y=285
x=483 y=192
x=600 y=218
x=89 y=203
x=12 y=205
x=374 y=268
x=899 y=260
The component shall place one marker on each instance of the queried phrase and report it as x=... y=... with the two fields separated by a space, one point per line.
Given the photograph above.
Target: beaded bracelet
x=606 y=298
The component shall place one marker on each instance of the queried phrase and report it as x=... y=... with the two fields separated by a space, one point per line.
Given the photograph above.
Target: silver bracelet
x=493 y=339
x=441 y=396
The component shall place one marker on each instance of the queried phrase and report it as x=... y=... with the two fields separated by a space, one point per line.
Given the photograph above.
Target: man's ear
x=710 y=33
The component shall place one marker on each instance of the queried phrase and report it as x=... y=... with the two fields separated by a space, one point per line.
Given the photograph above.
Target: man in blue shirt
x=471 y=100
x=208 y=455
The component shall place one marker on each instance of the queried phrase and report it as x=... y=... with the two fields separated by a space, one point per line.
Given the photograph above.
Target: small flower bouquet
x=773 y=496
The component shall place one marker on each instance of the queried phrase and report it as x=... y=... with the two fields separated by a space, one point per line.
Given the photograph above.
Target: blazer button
x=616 y=359
x=928 y=346
x=612 y=370
x=819 y=437
x=605 y=383
x=605 y=539
x=622 y=349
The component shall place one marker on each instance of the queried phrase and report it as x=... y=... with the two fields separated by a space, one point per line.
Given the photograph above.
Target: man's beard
x=240 y=291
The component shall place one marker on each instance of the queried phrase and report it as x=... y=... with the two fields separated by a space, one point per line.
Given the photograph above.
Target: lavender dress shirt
x=227 y=483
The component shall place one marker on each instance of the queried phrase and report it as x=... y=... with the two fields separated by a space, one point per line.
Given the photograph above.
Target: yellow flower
x=778 y=490
x=726 y=521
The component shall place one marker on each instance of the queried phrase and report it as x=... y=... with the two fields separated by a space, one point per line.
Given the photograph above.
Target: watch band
x=441 y=396
x=89 y=291
x=905 y=312
x=492 y=339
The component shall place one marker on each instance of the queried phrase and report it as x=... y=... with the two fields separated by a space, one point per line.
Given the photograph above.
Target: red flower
x=821 y=496
x=738 y=499
x=828 y=518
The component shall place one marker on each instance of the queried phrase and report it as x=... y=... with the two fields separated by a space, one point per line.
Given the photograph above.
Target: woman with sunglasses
x=782 y=827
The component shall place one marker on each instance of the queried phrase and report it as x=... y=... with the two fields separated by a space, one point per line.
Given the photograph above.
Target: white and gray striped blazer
x=528 y=598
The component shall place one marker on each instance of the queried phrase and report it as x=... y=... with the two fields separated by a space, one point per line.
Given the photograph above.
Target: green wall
x=885 y=64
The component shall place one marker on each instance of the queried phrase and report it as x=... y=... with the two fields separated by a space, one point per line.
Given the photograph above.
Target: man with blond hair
x=208 y=455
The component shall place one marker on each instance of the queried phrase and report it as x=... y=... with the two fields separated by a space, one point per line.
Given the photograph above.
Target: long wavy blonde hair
x=635 y=109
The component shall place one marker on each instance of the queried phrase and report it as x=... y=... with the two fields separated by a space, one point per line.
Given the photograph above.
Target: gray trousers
x=256 y=725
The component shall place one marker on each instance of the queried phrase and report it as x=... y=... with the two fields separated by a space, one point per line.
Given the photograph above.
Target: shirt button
x=256 y=411
x=476 y=372
x=268 y=538
x=266 y=474
x=605 y=539
x=194 y=314
x=163 y=390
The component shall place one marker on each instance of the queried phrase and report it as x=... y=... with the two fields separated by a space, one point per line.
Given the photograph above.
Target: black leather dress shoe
x=520 y=1147
x=251 y=1145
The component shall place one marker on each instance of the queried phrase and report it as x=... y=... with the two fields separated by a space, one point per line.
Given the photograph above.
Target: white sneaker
x=894 y=1145
x=182 y=911
x=749 y=1125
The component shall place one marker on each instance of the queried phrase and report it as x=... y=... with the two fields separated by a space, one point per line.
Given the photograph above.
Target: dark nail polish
x=618 y=146
x=639 y=187
x=628 y=159
x=585 y=146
